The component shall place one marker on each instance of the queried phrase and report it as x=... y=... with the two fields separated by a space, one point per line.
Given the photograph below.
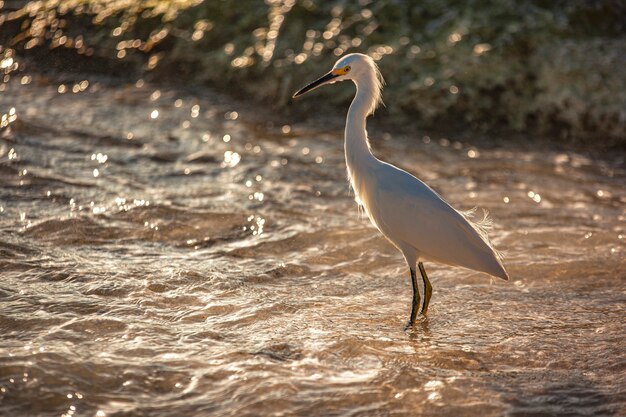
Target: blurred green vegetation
x=553 y=67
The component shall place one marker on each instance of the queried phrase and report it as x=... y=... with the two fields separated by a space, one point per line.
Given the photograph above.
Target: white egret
x=413 y=217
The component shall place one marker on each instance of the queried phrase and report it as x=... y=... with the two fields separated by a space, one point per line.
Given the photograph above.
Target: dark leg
x=416 y=300
x=428 y=289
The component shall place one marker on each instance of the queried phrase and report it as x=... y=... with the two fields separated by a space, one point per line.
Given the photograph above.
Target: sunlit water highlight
x=163 y=253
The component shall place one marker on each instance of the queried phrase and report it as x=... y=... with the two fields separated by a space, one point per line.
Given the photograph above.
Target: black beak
x=317 y=83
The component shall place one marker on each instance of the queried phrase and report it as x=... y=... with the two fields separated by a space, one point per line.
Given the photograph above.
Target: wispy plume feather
x=482 y=227
x=376 y=83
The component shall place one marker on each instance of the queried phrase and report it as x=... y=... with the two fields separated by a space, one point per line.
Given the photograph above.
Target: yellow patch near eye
x=342 y=71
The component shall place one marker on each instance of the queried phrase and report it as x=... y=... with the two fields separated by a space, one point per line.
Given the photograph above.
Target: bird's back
x=407 y=211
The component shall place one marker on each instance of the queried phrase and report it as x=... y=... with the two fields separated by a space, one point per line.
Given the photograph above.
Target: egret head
x=359 y=68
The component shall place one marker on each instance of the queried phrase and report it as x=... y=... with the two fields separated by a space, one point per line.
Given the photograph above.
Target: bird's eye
x=347 y=69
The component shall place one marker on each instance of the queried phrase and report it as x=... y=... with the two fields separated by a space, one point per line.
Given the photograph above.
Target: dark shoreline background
x=552 y=69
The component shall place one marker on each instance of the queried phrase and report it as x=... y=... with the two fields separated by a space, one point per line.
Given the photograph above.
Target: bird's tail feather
x=482 y=227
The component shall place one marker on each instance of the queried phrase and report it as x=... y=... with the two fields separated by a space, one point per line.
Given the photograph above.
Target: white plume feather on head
x=377 y=83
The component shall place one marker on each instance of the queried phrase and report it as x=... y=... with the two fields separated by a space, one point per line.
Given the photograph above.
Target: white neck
x=357 y=146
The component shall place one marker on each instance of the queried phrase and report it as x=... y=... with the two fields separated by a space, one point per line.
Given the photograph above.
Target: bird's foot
x=418 y=320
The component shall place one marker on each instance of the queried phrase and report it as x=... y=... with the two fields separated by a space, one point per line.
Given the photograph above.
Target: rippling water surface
x=165 y=253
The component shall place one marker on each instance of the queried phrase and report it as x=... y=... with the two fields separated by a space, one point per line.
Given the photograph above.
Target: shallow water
x=203 y=263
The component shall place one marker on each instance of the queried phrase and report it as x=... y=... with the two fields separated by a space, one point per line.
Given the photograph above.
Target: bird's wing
x=407 y=209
